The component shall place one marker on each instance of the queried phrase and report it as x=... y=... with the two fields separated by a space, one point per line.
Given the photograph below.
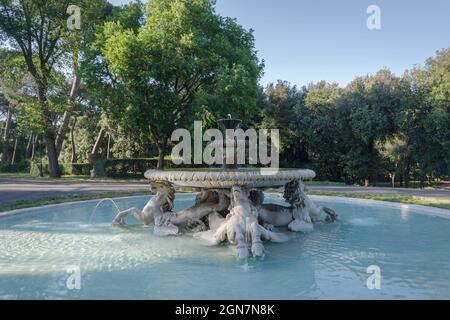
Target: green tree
x=38 y=29
x=13 y=94
x=425 y=123
x=281 y=107
x=183 y=52
x=319 y=123
x=105 y=92
x=367 y=113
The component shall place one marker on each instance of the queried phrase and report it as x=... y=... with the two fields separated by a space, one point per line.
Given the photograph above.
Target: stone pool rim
x=414 y=208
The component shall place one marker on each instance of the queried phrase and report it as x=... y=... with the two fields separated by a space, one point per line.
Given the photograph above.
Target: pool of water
x=44 y=250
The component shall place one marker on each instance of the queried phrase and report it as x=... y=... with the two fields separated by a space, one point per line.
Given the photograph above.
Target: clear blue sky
x=306 y=41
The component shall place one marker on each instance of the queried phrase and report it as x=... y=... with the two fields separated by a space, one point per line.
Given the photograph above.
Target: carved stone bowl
x=225 y=179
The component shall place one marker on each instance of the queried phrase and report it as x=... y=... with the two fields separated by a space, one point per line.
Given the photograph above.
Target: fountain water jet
x=99 y=203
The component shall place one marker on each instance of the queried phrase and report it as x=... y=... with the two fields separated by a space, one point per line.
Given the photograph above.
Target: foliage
x=123 y=167
x=183 y=52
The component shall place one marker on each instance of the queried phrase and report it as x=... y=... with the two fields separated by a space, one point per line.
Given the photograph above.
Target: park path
x=26 y=189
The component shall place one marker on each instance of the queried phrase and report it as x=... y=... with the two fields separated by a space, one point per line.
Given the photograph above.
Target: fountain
x=229 y=205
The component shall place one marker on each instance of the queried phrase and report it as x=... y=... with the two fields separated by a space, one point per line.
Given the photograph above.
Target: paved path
x=19 y=189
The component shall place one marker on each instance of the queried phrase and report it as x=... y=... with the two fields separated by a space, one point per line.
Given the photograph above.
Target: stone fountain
x=229 y=206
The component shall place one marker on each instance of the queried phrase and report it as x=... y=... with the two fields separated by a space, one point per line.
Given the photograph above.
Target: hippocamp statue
x=238 y=216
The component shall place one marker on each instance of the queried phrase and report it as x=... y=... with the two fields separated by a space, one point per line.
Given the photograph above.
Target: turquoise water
x=37 y=248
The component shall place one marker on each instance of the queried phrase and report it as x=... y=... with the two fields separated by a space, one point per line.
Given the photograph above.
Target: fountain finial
x=229 y=116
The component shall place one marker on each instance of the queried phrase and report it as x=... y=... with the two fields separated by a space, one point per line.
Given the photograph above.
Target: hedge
x=40 y=169
x=123 y=167
x=22 y=166
x=114 y=168
x=135 y=167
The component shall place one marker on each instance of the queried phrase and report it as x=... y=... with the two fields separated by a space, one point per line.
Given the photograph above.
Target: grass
x=431 y=202
x=324 y=183
x=61 y=199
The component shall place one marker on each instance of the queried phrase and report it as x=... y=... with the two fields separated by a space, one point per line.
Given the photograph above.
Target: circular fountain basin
x=40 y=249
x=220 y=178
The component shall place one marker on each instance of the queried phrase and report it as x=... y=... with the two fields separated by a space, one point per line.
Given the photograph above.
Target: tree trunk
x=109 y=147
x=98 y=141
x=62 y=132
x=29 y=146
x=49 y=137
x=161 y=152
x=366 y=182
x=94 y=153
x=6 y=133
x=53 y=165
x=13 y=159
x=393 y=180
x=407 y=175
x=33 y=149
x=72 y=140
x=67 y=114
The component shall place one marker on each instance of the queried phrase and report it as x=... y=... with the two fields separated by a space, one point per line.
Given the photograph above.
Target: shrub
x=39 y=168
x=22 y=166
x=123 y=167
x=131 y=167
x=75 y=169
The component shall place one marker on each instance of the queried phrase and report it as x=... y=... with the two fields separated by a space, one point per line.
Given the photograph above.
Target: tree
x=184 y=52
x=281 y=106
x=95 y=13
x=105 y=97
x=368 y=113
x=13 y=91
x=394 y=153
x=425 y=122
x=38 y=29
x=319 y=123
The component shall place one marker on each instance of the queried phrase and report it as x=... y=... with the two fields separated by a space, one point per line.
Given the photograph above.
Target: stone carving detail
x=299 y=216
x=238 y=216
x=157 y=211
x=240 y=227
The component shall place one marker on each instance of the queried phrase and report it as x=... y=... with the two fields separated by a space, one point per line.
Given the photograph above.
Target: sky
x=308 y=41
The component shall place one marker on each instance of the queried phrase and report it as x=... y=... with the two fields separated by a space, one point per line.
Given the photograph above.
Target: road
x=26 y=189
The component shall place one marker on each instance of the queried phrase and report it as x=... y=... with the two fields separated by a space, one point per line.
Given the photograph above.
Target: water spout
x=99 y=203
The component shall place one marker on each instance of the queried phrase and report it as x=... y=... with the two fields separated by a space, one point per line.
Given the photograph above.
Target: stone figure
x=299 y=216
x=158 y=210
x=240 y=227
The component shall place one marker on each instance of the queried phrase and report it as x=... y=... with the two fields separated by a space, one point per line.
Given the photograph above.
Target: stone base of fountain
x=230 y=207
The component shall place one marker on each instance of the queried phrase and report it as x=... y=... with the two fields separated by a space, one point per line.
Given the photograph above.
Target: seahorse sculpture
x=158 y=210
x=299 y=216
x=240 y=227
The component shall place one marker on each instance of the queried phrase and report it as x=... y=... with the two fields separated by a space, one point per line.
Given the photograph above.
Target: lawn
x=61 y=199
x=431 y=202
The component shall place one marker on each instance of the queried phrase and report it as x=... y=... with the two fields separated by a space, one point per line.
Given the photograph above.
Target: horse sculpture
x=158 y=210
x=240 y=227
x=299 y=216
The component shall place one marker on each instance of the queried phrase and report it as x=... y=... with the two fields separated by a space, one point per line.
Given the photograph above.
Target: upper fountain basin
x=220 y=178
